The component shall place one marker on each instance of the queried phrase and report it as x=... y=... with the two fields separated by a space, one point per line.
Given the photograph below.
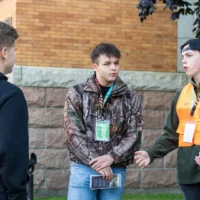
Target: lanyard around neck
x=108 y=93
x=193 y=105
x=101 y=100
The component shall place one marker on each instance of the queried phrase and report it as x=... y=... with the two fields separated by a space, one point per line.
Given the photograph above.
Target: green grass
x=135 y=197
x=52 y=198
x=152 y=197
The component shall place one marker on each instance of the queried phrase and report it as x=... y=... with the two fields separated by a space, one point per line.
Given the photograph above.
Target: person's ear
x=4 y=53
x=95 y=66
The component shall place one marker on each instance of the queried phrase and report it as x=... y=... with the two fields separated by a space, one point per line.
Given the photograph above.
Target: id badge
x=102 y=130
x=189 y=131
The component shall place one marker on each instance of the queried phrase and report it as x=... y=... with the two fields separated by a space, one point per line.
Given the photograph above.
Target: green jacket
x=188 y=172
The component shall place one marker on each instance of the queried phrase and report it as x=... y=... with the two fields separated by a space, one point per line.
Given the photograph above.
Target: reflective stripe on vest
x=183 y=109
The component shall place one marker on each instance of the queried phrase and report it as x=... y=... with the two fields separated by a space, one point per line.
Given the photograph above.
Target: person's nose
x=183 y=60
x=113 y=66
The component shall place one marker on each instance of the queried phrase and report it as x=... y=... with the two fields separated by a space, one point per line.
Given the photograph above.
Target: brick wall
x=8 y=10
x=63 y=33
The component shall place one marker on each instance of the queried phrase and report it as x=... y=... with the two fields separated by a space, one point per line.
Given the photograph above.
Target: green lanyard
x=108 y=93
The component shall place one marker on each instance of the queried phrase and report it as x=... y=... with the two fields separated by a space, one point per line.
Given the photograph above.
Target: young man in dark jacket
x=13 y=124
x=182 y=127
x=103 y=125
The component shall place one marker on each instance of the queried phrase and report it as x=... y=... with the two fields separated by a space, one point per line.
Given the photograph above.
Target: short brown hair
x=104 y=48
x=8 y=35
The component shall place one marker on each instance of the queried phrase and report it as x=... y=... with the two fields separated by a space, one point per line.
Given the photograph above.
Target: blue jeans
x=79 y=184
x=191 y=191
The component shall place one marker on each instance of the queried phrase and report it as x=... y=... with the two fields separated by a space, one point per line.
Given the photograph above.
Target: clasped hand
x=102 y=165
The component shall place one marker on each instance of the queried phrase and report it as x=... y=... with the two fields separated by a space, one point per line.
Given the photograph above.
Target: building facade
x=53 y=53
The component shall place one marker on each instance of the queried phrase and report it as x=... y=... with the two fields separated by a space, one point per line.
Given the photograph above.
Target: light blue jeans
x=79 y=184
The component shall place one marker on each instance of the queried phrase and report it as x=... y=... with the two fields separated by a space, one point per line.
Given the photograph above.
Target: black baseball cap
x=194 y=44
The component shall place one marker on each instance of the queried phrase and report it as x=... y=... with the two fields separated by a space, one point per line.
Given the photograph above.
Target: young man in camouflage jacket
x=103 y=125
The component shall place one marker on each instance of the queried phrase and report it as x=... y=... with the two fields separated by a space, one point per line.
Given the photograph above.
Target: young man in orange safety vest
x=182 y=127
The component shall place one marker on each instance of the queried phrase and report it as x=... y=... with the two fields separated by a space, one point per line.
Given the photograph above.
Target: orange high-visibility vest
x=183 y=109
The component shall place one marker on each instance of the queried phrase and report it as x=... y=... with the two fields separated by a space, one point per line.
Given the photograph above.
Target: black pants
x=3 y=196
x=191 y=191
x=12 y=196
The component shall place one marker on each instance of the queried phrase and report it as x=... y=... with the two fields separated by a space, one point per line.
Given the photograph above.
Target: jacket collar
x=119 y=87
x=3 y=77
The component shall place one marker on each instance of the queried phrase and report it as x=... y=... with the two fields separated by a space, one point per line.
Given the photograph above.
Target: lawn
x=135 y=197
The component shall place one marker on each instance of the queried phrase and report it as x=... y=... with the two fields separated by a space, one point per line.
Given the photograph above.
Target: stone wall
x=161 y=174
x=47 y=141
x=47 y=138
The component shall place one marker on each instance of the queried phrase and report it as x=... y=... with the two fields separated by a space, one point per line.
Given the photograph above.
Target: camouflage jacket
x=122 y=108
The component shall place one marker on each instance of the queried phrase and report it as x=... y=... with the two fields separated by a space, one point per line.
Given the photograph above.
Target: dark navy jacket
x=14 y=157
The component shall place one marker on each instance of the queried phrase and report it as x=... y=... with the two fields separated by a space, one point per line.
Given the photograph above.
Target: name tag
x=189 y=132
x=102 y=130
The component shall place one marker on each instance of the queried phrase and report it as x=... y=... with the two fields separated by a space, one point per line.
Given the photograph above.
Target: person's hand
x=101 y=162
x=142 y=158
x=107 y=173
x=197 y=159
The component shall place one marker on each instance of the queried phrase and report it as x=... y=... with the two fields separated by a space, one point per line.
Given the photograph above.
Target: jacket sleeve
x=77 y=141
x=132 y=140
x=14 y=158
x=168 y=141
